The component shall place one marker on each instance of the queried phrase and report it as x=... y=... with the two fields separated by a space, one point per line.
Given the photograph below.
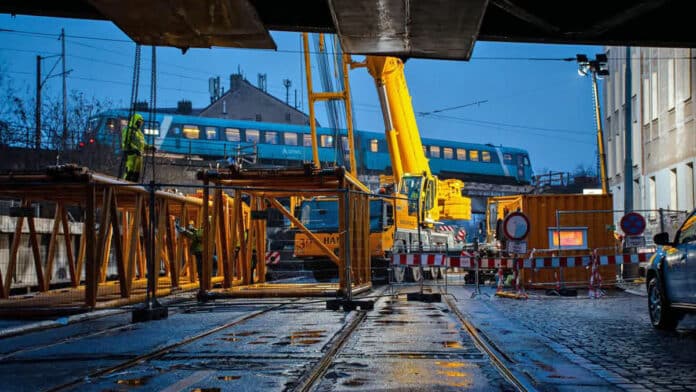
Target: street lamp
x=596 y=67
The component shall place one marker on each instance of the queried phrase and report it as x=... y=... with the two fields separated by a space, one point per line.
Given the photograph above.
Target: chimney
x=235 y=81
x=184 y=107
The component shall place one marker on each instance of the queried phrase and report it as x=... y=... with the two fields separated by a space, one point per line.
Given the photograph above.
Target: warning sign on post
x=516 y=226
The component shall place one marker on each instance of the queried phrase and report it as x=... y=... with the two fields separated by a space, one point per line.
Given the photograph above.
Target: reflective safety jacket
x=132 y=137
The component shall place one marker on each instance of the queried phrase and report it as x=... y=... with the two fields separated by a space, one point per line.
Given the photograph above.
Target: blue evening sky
x=533 y=103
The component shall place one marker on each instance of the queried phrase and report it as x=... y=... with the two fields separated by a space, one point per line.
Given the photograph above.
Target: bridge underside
x=445 y=29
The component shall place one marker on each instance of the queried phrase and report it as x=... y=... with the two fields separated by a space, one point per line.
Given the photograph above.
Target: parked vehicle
x=671 y=276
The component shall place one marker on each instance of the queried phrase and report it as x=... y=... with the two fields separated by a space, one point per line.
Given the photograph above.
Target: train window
x=526 y=160
x=111 y=125
x=210 y=133
x=485 y=156
x=270 y=137
x=151 y=129
x=191 y=132
x=447 y=153
x=461 y=154
x=374 y=145
x=474 y=155
x=344 y=143
x=327 y=141
x=307 y=140
x=507 y=157
x=252 y=135
x=290 y=138
x=435 y=151
x=425 y=151
x=233 y=135
x=175 y=130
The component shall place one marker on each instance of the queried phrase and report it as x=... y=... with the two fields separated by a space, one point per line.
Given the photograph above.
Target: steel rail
x=163 y=350
x=487 y=348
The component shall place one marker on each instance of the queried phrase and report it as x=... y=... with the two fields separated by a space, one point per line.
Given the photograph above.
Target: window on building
x=646 y=101
x=252 y=135
x=307 y=140
x=686 y=74
x=191 y=132
x=270 y=137
x=670 y=84
x=435 y=151
x=652 y=193
x=485 y=156
x=374 y=145
x=637 y=203
x=689 y=185
x=447 y=153
x=473 y=155
x=673 y=190
x=461 y=154
x=290 y=138
x=211 y=133
x=326 y=141
x=233 y=135
x=654 y=87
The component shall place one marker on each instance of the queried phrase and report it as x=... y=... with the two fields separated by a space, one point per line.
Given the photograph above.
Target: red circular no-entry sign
x=633 y=223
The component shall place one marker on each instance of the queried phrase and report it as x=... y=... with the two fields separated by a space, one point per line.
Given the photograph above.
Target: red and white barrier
x=468 y=260
x=595 y=288
x=424 y=259
x=272 y=257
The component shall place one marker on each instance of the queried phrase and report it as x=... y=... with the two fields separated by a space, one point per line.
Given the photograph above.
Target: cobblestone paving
x=615 y=335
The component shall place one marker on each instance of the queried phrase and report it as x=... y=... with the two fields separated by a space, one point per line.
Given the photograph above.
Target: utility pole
x=37 y=111
x=628 y=138
x=65 y=93
x=595 y=67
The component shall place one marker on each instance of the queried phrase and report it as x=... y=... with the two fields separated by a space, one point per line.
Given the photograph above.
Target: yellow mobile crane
x=422 y=199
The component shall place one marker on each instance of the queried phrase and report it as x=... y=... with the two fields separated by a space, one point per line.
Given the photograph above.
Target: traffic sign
x=516 y=226
x=634 y=241
x=518 y=247
x=633 y=223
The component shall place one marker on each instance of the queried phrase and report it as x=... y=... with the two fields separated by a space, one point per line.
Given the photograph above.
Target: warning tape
x=272 y=257
x=469 y=261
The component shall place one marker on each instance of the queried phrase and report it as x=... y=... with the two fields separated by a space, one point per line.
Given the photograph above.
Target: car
x=671 y=276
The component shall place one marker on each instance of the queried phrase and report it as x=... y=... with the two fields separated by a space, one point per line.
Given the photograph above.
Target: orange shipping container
x=585 y=221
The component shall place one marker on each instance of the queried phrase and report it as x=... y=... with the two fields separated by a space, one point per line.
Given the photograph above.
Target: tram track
x=161 y=351
x=497 y=357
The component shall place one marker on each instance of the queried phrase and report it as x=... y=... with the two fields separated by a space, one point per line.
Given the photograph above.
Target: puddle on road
x=307 y=342
x=452 y=344
x=243 y=333
x=452 y=364
x=258 y=342
x=355 y=382
x=459 y=379
x=134 y=382
x=229 y=378
x=206 y=390
x=230 y=339
x=390 y=322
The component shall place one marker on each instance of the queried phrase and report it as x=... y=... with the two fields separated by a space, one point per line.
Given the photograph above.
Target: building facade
x=662 y=127
x=244 y=101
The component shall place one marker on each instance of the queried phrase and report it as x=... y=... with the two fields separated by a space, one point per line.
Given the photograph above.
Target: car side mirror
x=661 y=239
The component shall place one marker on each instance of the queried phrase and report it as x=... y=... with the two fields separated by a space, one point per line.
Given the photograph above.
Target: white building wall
x=662 y=125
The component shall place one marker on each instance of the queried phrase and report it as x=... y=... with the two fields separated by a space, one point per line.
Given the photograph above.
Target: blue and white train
x=290 y=145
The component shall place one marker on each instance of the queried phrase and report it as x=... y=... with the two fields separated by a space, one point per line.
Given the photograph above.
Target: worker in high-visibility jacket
x=133 y=144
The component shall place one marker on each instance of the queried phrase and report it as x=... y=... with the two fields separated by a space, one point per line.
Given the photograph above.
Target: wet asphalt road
x=556 y=344
x=400 y=345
